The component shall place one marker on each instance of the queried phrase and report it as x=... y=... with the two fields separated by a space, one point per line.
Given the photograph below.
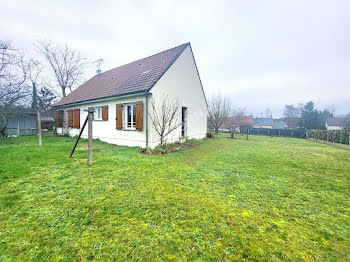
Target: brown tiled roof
x=131 y=78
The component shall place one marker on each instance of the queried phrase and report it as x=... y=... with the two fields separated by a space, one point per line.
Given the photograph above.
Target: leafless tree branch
x=165 y=117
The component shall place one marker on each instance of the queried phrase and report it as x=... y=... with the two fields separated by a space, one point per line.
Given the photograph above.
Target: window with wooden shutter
x=77 y=118
x=119 y=116
x=59 y=118
x=70 y=118
x=105 y=113
x=139 y=115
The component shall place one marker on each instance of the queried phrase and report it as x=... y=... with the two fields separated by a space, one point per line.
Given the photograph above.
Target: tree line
x=307 y=116
x=34 y=81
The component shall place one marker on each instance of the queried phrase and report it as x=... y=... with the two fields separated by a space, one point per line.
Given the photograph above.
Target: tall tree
x=235 y=121
x=219 y=109
x=67 y=65
x=291 y=115
x=13 y=83
x=45 y=99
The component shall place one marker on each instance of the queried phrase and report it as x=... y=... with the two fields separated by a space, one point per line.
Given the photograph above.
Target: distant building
x=279 y=124
x=269 y=122
x=263 y=122
x=338 y=123
x=21 y=124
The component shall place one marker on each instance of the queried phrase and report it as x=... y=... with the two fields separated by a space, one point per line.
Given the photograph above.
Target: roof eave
x=98 y=99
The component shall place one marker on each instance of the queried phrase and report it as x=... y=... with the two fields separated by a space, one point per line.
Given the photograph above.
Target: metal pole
x=90 y=117
x=146 y=92
x=39 y=127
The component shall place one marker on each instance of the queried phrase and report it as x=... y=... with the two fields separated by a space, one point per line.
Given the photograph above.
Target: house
x=269 y=122
x=338 y=123
x=278 y=124
x=263 y=122
x=122 y=99
x=21 y=123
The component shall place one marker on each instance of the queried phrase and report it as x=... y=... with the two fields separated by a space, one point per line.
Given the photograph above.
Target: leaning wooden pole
x=81 y=132
x=39 y=127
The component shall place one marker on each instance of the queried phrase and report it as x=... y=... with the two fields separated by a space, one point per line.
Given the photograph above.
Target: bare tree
x=13 y=83
x=291 y=115
x=219 y=109
x=236 y=120
x=165 y=117
x=67 y=65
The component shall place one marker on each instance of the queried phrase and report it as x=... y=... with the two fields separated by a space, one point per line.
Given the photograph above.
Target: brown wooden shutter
x=77 y=118
x=70 y=118
x=105 y=113
x=119 y=116
x=139 y=115
x=59 y=118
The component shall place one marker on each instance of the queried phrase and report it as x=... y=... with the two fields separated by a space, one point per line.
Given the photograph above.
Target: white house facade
x=122 y=99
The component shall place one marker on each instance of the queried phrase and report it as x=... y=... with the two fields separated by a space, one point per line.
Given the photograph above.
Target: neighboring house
x=338 y=123
x=263 y=122
x=122 y=100
x=278 y=124
x=269 y=122
x=24 y=123
x=20 y=124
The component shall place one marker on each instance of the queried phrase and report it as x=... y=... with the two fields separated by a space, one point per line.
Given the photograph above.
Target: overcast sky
x=264 y=54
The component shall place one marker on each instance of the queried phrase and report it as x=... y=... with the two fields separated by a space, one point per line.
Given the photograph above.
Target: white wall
x=334 y=127
x=106 y=130
x=181 y=81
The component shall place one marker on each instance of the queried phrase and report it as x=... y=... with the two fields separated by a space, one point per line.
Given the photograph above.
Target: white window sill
x=129 y=129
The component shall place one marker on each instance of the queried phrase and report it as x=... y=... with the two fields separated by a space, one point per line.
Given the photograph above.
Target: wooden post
x=39 y=126
x=90 y=117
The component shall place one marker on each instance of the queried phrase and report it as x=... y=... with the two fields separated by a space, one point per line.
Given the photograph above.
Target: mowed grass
x=278 y=199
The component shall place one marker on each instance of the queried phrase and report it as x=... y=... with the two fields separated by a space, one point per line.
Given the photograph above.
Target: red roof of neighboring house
x=238 y=121
x=134 y=77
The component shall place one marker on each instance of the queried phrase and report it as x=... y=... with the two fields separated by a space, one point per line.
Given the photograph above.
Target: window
x=130 y=117
x=98 y=113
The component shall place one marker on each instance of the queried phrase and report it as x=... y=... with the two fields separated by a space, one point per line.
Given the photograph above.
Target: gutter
x=98 y=99
x=147 y=94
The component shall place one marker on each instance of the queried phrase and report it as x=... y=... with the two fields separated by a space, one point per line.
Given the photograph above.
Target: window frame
x=132 y=115
x=96 y=114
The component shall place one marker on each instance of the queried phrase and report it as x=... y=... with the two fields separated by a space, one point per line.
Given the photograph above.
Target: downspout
x=146 y=93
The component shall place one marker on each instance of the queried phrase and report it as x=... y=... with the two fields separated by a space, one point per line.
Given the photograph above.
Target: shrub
x=210 y=135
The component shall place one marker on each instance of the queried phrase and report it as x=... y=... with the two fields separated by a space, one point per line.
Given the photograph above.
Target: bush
x=210 y=135
x=335 y=136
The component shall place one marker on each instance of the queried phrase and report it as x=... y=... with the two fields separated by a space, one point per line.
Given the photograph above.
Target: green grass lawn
x=266 y=198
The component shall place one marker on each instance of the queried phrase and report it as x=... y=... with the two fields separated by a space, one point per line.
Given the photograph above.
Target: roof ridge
x=125 y=79
x=188 y=43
